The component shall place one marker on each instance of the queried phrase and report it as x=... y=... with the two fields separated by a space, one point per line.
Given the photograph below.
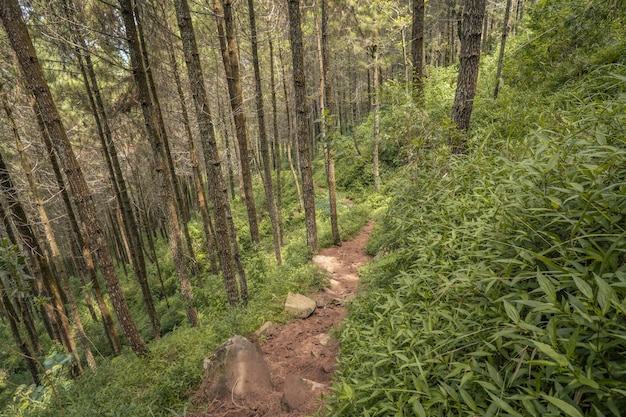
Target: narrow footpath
x=301 y=355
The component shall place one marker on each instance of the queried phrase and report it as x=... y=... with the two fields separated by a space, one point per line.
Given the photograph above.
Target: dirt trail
x=302 y=349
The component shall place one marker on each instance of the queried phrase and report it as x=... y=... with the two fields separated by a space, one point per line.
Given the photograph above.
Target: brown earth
x=301 y=355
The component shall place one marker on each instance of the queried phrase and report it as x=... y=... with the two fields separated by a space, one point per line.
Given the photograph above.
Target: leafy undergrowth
x=499 y=286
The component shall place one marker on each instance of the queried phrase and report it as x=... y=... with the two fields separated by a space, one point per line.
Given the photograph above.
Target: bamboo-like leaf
x=553 y=354
x=583 y=287
x=511 y=311
x=468 y=400
x=564 y=406
x=503 y=405
x=606 y=294
x=546 y=286
x=418 y=407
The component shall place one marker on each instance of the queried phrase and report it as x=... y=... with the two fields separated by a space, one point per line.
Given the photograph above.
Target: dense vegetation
x=499 y=282
x=499 y=285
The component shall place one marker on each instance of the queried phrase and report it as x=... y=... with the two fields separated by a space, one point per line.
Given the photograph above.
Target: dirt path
x=301 y=355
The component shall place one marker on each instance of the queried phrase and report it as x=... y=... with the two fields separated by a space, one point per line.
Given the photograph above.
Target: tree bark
x=263 y=141
x=195 y=166
x=182 y=212
x=376 y=112
x=130 y=229
x=164 y=175
x=230 y=58
x=328 y=125
x=217 y=186
x=417 y=50
x=299 y=81
x=290 y=140
x=505 y=31
x=276 y=146
x=470 y=34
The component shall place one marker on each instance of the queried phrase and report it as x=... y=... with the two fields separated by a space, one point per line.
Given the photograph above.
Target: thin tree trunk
x=470 y=34
x=107 y=320
x=164 y=174
x=276 y=145
x=119 y=184
x=289 y=132
x=328 y=125
x=217 y=187
x=195 y=166
x=24 y=302
x=417 y=50
x=230 y=57
x=505 y=31
x=183 y=214
x=267 y=168
x=376 y=111
x=299 y=81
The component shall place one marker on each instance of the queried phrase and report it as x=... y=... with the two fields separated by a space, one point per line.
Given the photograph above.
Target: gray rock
x=299 y=305
x=236 y=368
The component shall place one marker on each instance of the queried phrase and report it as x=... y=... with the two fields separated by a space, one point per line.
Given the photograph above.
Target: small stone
x=323 y=338
x=313 y=385
x=267 y=328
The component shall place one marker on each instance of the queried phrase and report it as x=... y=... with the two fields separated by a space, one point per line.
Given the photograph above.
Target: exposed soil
x=301 y=355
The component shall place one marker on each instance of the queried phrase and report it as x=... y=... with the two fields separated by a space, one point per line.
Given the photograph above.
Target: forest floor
x=301 y=355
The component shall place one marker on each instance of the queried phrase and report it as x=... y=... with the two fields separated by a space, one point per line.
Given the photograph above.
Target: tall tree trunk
x=183 y=213
x=299 y=81
x=131 y=231
x=265 y=155
x=14 y=25
x=230 y=57
x=276 y=145
x=217 y=186
x=505 y=31
x=376 y=112
x=289 y=140
x=328 y=125
x=164 y=174
x=81 y=239
x=417 y=50
x=195 y=167
x=471 y=29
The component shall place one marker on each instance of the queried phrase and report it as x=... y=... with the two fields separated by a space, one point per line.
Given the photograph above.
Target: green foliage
x=499 y=285
x=567 y=38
